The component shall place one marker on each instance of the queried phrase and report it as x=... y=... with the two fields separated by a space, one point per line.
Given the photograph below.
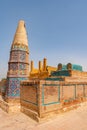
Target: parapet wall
x=70 y=73
x=43 y=98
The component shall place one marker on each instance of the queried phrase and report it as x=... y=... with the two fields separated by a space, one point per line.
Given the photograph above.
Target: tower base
x=9 y=107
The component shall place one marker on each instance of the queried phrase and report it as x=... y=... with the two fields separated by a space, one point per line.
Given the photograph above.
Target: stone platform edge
x=12 y=108
x=9 y=108
x=46 y=116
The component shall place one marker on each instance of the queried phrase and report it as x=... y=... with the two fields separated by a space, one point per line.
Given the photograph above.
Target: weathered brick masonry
x=42 y=98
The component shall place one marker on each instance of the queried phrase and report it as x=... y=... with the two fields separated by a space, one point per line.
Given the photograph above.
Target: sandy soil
x=72 y=120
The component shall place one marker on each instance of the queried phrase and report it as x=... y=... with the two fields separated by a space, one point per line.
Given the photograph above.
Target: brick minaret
x=18 y=65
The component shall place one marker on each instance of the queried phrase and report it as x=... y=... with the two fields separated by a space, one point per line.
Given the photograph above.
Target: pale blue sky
x=57 y=30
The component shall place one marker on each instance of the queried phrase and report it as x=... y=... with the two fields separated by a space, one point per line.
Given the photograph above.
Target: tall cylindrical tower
x=18 y=65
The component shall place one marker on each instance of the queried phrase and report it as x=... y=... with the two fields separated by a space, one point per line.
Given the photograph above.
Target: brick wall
x=29 y=96
x=46 y=97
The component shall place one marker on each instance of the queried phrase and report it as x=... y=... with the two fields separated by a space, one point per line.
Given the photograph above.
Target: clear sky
x=57 y=30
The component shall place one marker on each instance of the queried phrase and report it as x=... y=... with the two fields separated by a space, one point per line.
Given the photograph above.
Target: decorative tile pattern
x=19 y=47
x=60 y=73
x=13 y=66
x=18 y=67
x=13 y=89
x=22 y=56
x=22 y=66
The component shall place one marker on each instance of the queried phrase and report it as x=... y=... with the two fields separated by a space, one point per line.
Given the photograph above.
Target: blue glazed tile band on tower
x=14 y=87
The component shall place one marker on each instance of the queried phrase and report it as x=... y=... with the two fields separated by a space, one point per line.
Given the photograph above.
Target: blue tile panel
x=13 y=87
x=73 y=67
x=60 y=73
x=54 y=79
x=76 y=67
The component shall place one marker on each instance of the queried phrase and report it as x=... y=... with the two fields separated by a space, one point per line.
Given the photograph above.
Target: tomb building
x=64 y=89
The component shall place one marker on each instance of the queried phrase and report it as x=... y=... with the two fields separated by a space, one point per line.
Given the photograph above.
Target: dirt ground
x=72 y=120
